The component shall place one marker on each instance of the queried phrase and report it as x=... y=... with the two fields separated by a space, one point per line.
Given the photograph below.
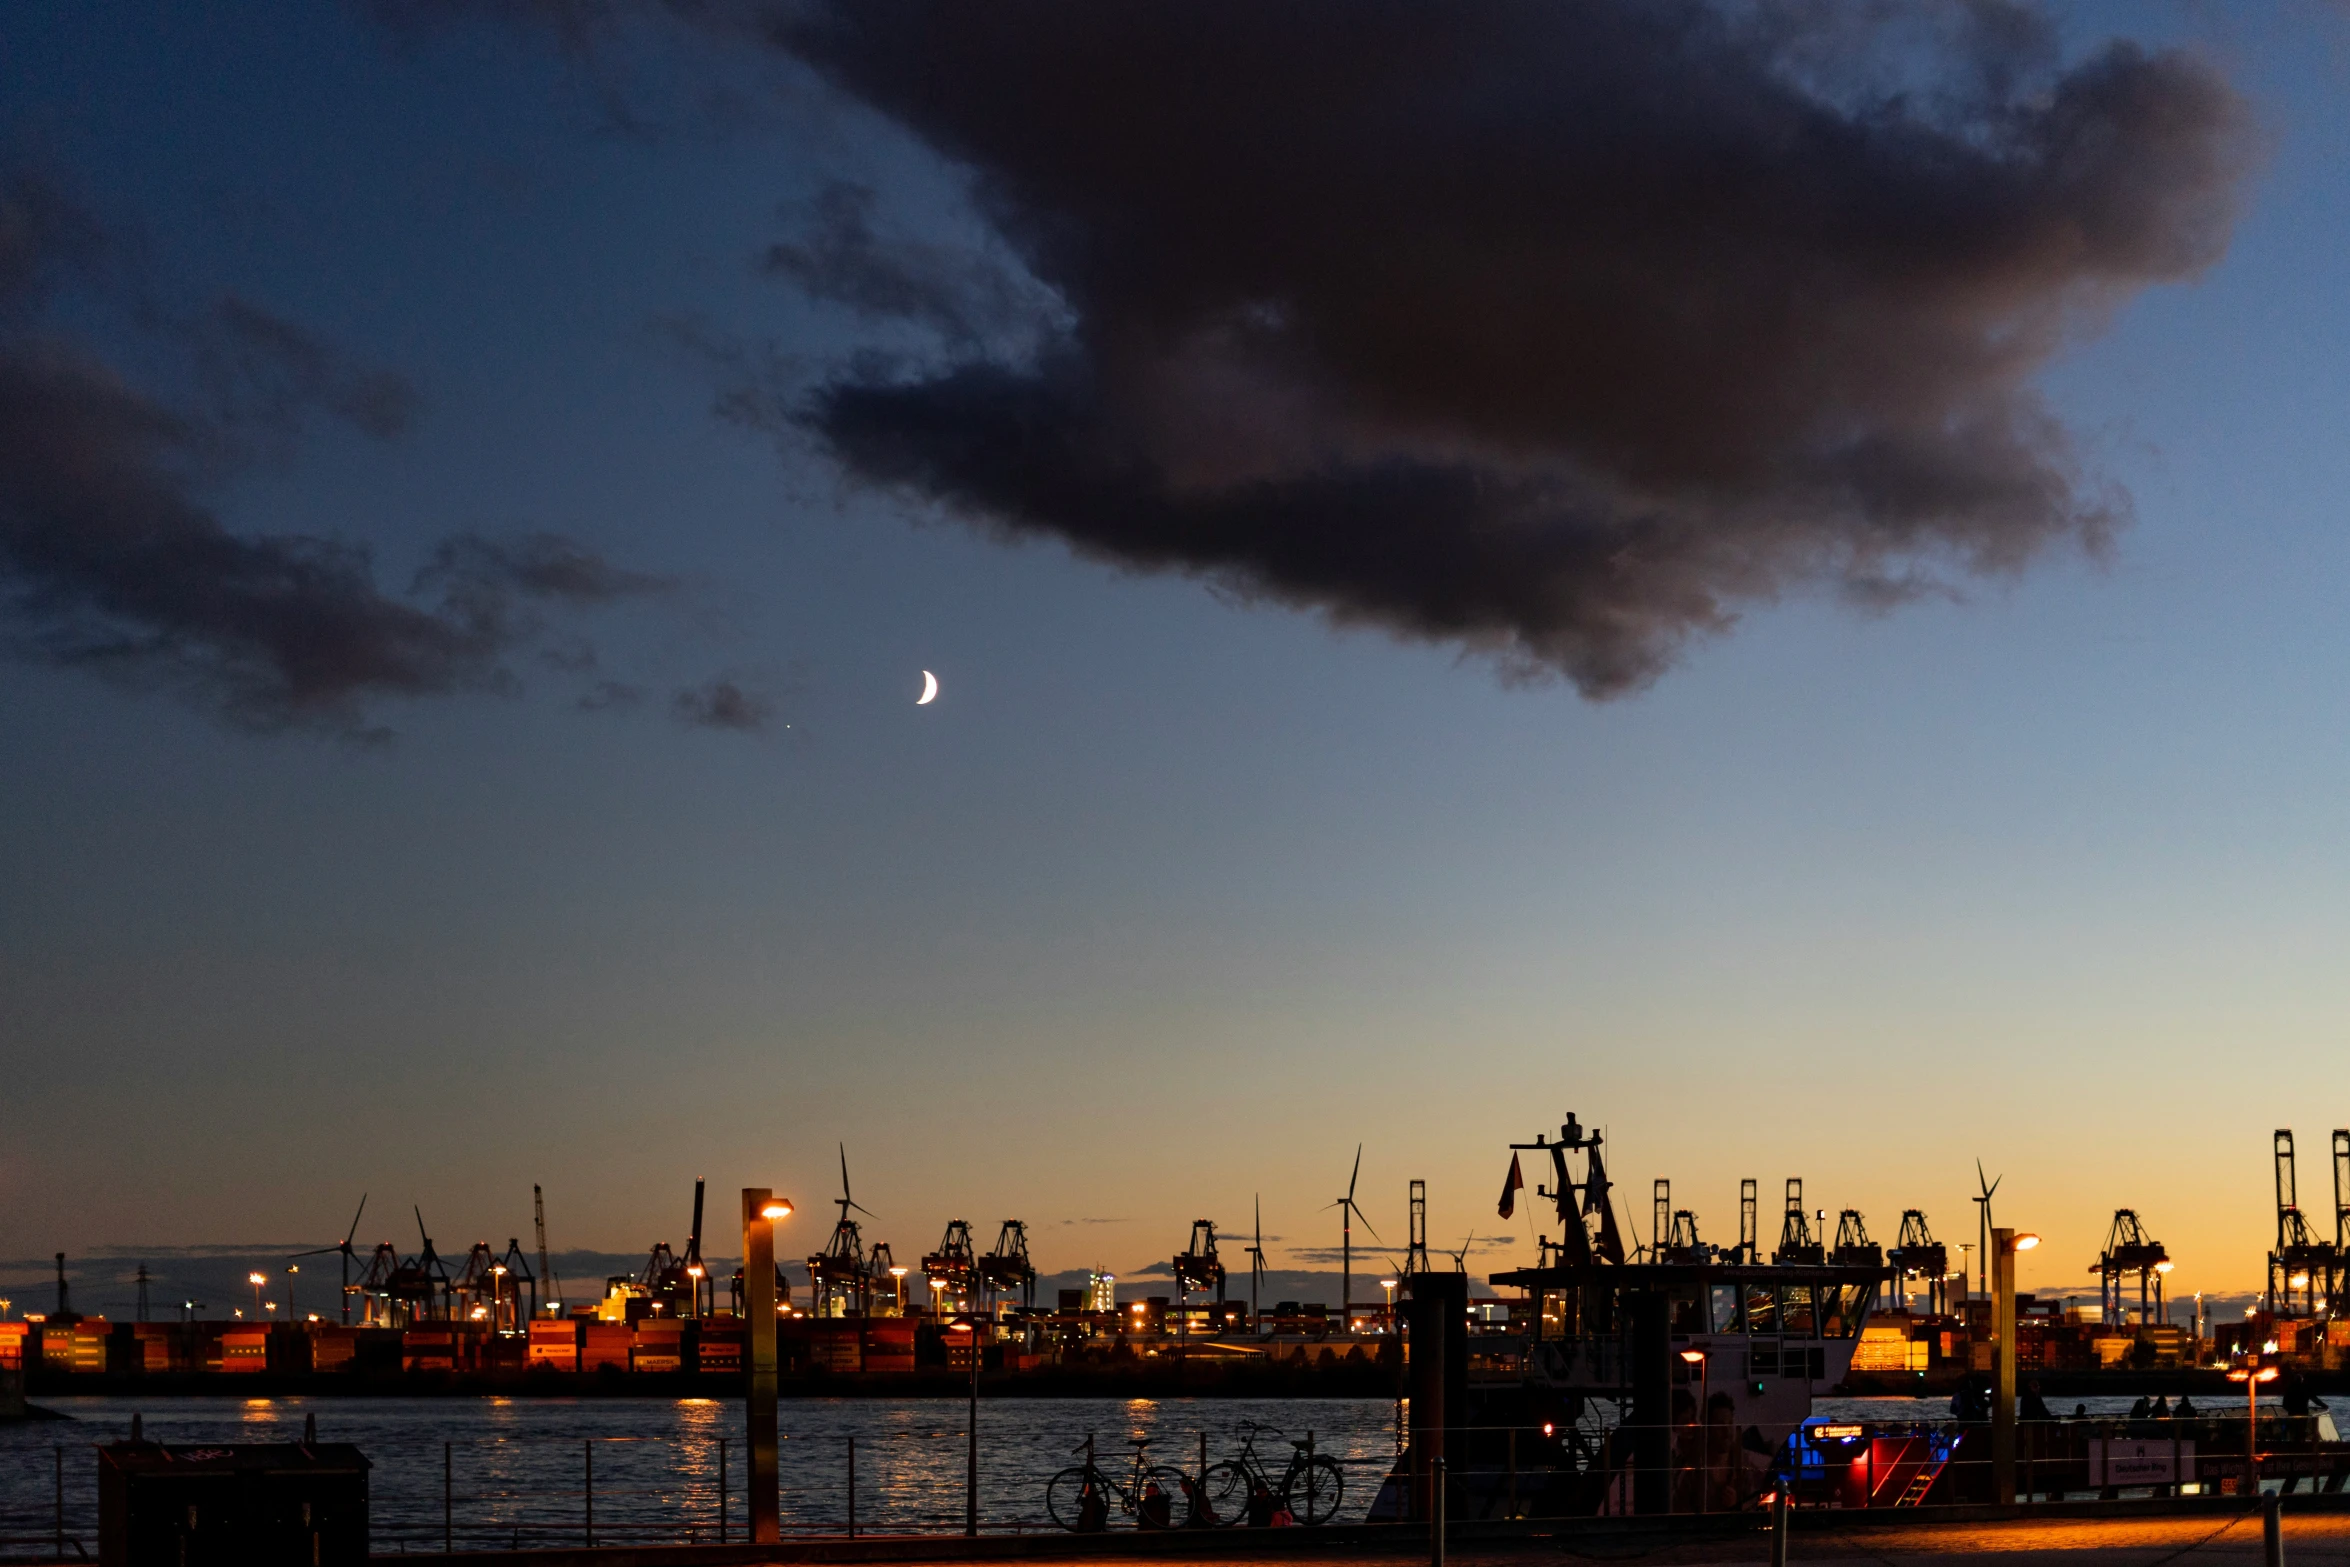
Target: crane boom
x=538 y=1208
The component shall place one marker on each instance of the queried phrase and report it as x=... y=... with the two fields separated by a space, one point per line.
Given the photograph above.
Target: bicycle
x=1080 y=1497
x=1308 y=1490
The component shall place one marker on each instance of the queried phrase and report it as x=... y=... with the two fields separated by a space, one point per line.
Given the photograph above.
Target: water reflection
x=517 y=1468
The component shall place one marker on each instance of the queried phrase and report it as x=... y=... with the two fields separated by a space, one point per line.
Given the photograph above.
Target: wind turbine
x=1256 y=1265
x=344 y=1251
x=1983 y=1221
x=845 y=1201
x=1348 y=1212
x=1460 y=1259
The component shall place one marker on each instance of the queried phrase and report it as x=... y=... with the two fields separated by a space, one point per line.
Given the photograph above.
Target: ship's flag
x=1510 y=1188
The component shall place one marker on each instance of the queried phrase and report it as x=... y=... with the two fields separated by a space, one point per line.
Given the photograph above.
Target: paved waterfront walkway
x=2113 y=1542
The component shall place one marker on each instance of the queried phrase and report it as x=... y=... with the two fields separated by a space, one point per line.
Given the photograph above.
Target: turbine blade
x=354 y=1230
x=1358 y=1173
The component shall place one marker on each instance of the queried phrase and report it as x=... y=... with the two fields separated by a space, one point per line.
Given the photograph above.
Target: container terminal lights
x=1899 y=1318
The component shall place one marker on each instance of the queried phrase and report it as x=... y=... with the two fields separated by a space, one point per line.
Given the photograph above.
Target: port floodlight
x=2299 y=1281
x=779 y=1208
x=255 y=1278
x=1695 y=1357
x=695 y=1269
x=2164 y=1267
x=2026 y=1241
x=899 y=1273
x=2265 y=1374
x=1387 y=1284
x=2269 y=1348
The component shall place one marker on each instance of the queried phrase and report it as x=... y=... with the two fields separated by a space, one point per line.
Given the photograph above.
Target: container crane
x=1797 y=1245
x=2302 y=1264
x=1917 y=1255
x=2129 y=1249
x=839 y=1277
x=538 y=1213
x=952 y=1271
x=1006 y=1267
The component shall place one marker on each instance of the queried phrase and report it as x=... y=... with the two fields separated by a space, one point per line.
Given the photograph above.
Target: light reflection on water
x=517 y=1467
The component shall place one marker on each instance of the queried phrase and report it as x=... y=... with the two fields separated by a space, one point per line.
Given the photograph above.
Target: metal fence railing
x=515 y=1492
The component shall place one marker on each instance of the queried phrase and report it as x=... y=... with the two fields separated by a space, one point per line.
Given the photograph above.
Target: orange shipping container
x=604 y=1344
x=555 y=1345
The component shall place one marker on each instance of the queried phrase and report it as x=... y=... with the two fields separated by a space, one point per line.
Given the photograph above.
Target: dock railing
x=522 y=1491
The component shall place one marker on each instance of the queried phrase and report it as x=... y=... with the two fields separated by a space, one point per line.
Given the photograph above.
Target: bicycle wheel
x=1162 y=1503
x=1077 y=1501
x=1313 y=1490
x=1223 y=1496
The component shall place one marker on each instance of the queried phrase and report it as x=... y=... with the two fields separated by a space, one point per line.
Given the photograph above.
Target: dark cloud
x=110 y=560
x=265 y=368
x=1555 y=331
x=969 y=301
x=722 y=704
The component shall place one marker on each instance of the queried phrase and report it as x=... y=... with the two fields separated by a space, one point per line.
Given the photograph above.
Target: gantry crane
x=1917 y=1255
x=1006 y=1268
x=2301 y=1265
x=952 y=1271
x=2129 y=1249
x=1797 y=1244
x=1853 y=1248
x=840 y=1280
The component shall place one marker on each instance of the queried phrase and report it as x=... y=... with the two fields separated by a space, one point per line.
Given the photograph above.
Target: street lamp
x=898 y=1281
x=967 y=1323
x=2004 y=1246
x=292 y=1268
x=1389 y=1286
x=1697 y=1358
x=256 y=1281
x=761 y=1209
x=2252 y=1373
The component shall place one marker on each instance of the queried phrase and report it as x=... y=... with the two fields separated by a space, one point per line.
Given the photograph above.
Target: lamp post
x=2252 y=1373
x=761 y=1208
x=2004 y=1246
x=968 y=1323
x=897 y=1277
x=1389 y=1286
x=1697 y=1358
x=256 y=1280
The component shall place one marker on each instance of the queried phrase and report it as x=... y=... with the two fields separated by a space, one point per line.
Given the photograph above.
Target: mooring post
x=2272 y=1529
x=1779 y=1526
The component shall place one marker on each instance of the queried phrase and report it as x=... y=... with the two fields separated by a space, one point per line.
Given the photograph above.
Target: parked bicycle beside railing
x=1082 y=1497
x=1242 y=1490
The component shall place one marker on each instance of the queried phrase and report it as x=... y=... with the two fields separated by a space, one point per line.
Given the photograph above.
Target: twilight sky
x=1774 y=584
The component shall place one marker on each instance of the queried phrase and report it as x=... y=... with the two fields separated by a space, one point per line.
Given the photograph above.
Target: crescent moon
x=929 y=690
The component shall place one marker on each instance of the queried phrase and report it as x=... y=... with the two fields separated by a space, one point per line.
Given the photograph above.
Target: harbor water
x=496 y=1471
